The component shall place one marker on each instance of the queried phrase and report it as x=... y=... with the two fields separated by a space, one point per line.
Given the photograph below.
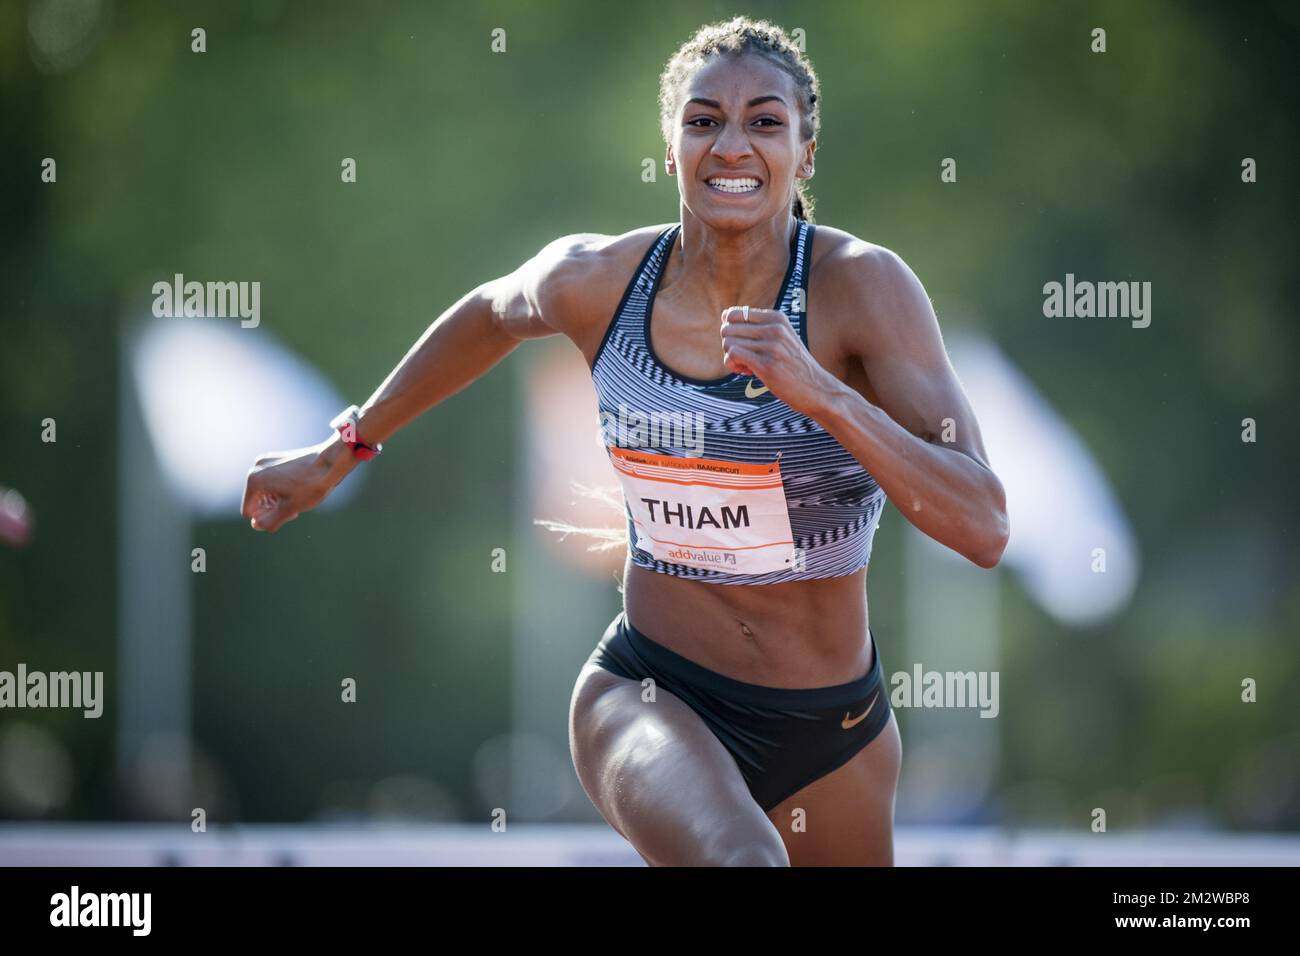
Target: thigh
x=661 y=778
x=846 y=818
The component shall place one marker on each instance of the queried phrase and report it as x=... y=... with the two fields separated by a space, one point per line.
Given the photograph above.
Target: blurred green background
x=226 y=165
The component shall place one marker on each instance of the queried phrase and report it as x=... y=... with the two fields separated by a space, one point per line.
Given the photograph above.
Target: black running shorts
x=781 y=738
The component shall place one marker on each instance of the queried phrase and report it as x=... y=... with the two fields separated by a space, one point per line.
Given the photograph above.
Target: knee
x=672 y=844
x=744 y=848
x=761 y=854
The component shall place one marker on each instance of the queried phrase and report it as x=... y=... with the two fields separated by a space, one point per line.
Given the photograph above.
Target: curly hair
x=735 y=38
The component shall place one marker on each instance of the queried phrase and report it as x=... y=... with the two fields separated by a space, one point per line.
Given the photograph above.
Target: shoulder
x=867 y=285
x=581 y=277
x=571 y=286
x=859 y=266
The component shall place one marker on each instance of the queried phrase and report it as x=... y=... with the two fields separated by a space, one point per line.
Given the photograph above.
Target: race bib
x=722 y=515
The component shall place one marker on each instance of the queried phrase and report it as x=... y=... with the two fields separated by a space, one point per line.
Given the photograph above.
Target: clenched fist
x=282 y=485
x=768 y=348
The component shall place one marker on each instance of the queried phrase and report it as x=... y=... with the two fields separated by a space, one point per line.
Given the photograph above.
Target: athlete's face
x=738 y=121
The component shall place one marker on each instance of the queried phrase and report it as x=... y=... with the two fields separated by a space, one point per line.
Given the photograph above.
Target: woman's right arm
x=542 y=297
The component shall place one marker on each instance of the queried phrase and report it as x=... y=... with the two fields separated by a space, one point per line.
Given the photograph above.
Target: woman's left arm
x=919 y=439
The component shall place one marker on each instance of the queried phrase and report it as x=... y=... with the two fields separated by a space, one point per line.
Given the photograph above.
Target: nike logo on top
x=751 y=391
x=847 y=724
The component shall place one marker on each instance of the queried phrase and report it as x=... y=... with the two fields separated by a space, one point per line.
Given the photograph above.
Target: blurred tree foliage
x=1122 y=165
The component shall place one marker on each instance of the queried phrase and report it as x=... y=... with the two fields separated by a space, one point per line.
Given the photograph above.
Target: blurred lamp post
x=200 y=400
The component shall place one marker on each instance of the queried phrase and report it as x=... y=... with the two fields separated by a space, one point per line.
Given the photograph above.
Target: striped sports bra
x=722 y=481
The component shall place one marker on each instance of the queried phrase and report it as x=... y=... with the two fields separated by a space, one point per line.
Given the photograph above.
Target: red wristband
x=345 y=422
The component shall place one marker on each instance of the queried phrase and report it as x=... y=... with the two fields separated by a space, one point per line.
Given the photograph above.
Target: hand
x=768 y=348
x=282 y=485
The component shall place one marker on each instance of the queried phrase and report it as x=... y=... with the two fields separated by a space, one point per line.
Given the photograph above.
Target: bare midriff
x=797 y=634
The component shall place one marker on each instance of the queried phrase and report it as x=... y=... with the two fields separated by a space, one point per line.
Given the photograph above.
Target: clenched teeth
x=734 y=185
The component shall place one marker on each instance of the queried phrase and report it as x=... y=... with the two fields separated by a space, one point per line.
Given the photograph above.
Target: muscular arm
x=466 y=341
x=558 y=290
x=945 y=489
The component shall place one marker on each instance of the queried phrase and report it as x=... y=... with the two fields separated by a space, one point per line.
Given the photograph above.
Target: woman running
x=735 y=711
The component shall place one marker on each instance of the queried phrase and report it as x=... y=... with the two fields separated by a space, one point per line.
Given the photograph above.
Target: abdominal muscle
x=798 y=634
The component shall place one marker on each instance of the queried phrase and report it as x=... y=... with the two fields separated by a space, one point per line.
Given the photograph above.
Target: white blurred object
x=1060 y=505
x=62 y=33
x=200 y=399
x=15 y=517
x=215 y=396
x=36 y=770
